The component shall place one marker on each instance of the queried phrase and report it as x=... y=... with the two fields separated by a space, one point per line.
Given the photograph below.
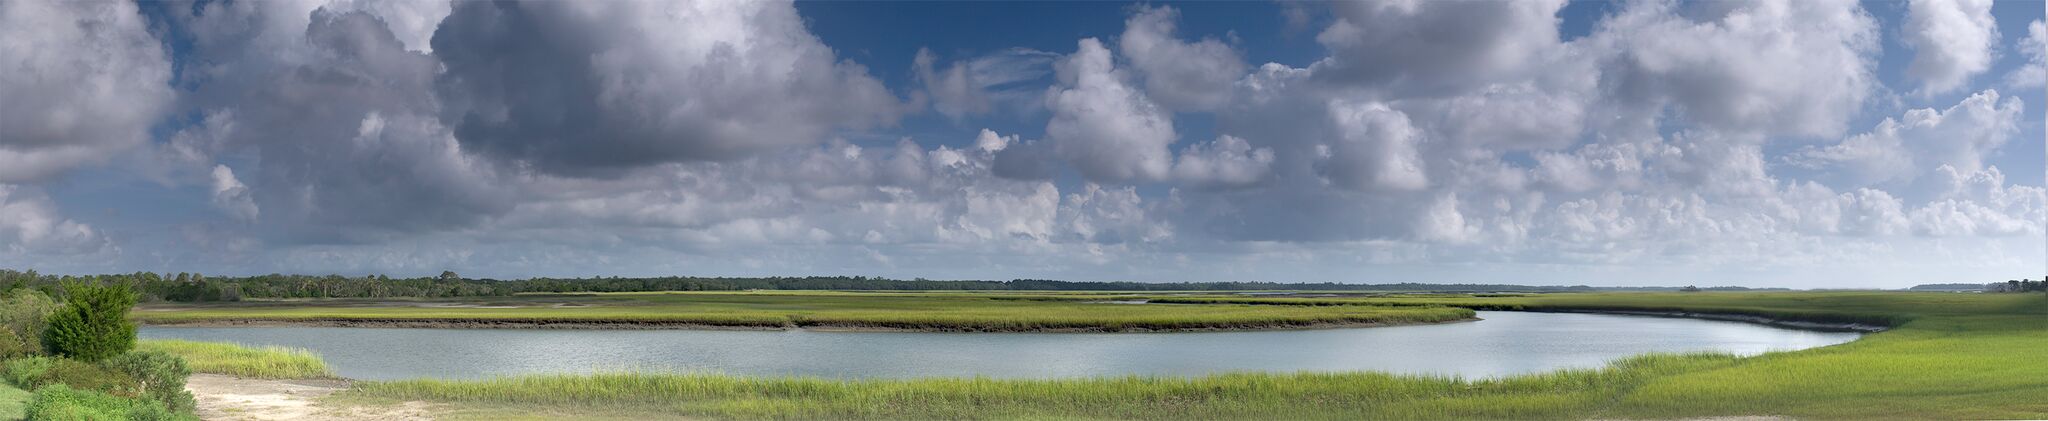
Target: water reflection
x=1504 y=343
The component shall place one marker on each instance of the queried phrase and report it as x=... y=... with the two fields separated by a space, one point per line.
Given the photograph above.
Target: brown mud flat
x=235 y=398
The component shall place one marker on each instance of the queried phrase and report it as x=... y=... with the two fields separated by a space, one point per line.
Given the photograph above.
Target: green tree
x=93 y=325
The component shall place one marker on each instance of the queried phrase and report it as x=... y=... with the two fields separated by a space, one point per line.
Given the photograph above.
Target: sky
x=1786 y=143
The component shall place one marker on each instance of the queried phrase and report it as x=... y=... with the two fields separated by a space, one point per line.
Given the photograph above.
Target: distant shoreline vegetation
x=191 y=287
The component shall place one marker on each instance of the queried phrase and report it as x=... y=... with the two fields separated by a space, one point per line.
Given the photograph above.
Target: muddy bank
x=1110 y=329
x=462 y=324
x=806 y=325
x=1731 y=317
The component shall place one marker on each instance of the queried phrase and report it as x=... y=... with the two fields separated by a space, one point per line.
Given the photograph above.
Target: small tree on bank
x=93 y=325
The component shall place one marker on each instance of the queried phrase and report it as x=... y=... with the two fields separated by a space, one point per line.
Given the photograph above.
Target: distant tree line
x=2017 y=285
x=193 y=287
x=1948 y=287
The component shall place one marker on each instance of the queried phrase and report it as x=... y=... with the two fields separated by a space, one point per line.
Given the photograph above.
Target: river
x=1504 y=343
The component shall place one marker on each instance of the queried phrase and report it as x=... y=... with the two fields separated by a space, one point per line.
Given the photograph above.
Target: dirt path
x=234 y=398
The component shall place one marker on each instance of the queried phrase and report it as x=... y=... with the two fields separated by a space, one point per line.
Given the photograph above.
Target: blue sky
x=885 y=36
x=1604 y=143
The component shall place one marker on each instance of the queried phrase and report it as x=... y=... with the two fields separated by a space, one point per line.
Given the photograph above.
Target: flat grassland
x=809 y=309
x=1948 y=356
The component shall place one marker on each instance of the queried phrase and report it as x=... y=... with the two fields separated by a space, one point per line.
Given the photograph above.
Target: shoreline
x=867 y=327
x=463 y=324
x=1100 y=329
x=816 y=327
x=1728 y=317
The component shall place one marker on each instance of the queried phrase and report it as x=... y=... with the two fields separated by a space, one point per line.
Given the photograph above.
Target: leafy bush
x=38 y=372
x=24 y=373
x=24 y=313
x=93 y=325
x=160 y=374
x=11 y=346
x=59 y=402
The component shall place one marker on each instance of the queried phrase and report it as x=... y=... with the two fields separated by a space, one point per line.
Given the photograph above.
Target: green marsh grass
x=1948 y=356
x=236 y=360
x=1233 y=396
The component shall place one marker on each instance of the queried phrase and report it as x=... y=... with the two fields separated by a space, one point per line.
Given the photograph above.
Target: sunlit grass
x=231 y=359
x=12 y=401
x=1241 y=396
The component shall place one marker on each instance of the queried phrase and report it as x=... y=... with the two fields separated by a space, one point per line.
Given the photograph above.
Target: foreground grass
x=12 y=402
x=1288 y=396
x=1951 y=356
x=956 y=311
x=236 y=360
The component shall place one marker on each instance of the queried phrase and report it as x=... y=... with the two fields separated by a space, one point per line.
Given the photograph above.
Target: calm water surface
x=1505 y=343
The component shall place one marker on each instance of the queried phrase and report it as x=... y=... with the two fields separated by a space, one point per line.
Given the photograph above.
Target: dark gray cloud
x=82 y=81
x=336 y=139
x=1435 y=46
x=576 y=87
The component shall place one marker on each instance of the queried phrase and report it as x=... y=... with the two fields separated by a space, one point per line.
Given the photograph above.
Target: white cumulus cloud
x=1109 y=131
x=1952 y=41
x=1181 y=75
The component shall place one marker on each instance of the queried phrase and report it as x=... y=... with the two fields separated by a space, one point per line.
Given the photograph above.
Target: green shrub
x=25 y=372
x=37 y=372
x=11 y=346
x=59 y=402
x=93 y=325
x=24 y=313
x=160 y=374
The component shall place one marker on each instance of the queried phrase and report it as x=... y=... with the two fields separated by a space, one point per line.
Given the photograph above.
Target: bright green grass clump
x=60 y=402
x=231 y=359
x=1949 y=356
x=927 y=311
x=12 y=401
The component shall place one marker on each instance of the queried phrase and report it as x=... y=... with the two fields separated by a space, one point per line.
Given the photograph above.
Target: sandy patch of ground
x=234 y=398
